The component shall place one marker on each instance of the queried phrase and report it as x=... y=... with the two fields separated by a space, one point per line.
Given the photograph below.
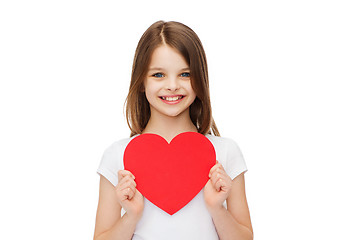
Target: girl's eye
x=186 y=74
x=158 y=75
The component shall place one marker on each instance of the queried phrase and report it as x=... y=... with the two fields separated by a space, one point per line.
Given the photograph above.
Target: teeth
x=171 y=98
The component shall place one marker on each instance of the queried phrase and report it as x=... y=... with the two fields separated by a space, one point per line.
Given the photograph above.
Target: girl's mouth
x=171 y=99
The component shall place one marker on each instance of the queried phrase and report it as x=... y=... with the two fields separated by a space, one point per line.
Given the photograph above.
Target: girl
x=168 y=95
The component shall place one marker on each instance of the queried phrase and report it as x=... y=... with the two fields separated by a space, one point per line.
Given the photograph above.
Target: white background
x=278 y=71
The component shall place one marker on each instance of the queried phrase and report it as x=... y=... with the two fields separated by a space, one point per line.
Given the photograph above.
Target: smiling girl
x=169 y=95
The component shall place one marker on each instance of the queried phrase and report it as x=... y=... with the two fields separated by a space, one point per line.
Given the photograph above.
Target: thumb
x=138 y=192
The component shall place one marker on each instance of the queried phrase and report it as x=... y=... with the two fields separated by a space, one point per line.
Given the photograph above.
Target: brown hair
x=185 y=40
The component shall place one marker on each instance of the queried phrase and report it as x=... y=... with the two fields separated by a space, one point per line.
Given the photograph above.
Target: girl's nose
x=172 y=84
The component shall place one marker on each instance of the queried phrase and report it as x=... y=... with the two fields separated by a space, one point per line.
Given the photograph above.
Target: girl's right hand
x=128 y=196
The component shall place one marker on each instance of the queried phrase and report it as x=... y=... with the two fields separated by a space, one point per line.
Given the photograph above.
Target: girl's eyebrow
x=161 y=69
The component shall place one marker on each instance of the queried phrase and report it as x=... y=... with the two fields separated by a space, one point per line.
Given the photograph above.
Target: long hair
x=185 y=40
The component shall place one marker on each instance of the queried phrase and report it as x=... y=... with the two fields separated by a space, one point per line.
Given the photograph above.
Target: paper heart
x=171 y=174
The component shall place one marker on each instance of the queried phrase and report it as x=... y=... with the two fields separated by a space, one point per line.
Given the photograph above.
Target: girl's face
x=167 y=85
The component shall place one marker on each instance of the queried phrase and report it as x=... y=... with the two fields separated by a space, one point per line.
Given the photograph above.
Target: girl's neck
x=169 y=127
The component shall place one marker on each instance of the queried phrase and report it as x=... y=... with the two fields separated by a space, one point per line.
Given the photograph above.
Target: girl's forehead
x=167 y=57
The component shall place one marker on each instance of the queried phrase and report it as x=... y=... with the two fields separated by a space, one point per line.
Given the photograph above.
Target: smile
x=172 y=99
x=175 y=98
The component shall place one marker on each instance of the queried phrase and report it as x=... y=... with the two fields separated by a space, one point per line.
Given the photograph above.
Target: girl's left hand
x=218 y=187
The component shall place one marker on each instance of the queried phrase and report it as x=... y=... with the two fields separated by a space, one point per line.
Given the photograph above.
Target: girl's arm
x=109 y=224
x=233 y=222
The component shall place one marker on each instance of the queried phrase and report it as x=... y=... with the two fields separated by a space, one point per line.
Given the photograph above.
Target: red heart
x=171 y=174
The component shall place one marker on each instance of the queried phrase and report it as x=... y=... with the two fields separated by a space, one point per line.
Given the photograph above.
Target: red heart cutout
x=171 y=174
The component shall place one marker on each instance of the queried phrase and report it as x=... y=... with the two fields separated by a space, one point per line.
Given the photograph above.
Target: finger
x=209 y=184
x=218 y=171
x=128 y=193
x=123 y=194
x=137 y=192
x=123 y=173
x=126 y=179
x=125 y=186
x=216 y=166
x=219 y=184
x=131 y=193
x=216 y=176
x=126 y=182
x=221 y=181
x=221 y=171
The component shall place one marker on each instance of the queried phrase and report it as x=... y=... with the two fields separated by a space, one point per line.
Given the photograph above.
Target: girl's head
x=186 y=42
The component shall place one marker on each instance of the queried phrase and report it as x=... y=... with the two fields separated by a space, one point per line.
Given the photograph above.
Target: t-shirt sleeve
x=111 y=163
x=235 y=163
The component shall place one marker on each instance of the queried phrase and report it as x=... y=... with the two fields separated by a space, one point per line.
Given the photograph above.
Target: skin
x=169 y=120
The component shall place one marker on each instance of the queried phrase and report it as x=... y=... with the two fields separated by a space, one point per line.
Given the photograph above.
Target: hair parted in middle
x=185 y=40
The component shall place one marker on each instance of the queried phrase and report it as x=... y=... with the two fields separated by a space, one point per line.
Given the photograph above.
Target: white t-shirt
x=191 y=222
